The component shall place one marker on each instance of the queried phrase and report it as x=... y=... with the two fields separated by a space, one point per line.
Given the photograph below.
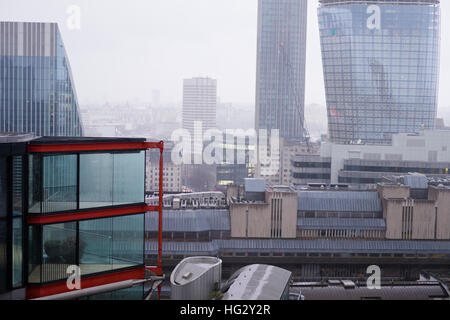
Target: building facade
x=171 y=172
x=281 y=59
x=381 y=67
x=360 y=165
x=72 y=202
x=199 y=105
x=316 y=234
x=37 y=93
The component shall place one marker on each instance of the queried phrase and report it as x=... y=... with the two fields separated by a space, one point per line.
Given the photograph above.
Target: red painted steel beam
x=34 y=291
x=161 y=169
x=100 y=146
x=89 y=214
x=156 y=270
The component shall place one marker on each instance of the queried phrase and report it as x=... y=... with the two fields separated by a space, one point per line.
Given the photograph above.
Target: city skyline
x=225 y=51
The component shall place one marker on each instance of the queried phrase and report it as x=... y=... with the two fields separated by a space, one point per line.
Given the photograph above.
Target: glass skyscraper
x=281 y=58
x=381 y=67
x=37 y=93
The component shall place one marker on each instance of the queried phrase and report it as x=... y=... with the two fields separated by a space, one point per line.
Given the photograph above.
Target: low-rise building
x=362 y=165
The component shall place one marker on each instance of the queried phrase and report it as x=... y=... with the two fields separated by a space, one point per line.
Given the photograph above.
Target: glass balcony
x=60 y=183
x=97 y=245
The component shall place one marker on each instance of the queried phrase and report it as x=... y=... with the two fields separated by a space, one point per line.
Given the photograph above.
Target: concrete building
x=273 y=218
x=288 y=149
x=199 y=104
x=317 y=233
x=427 y=152
x=171 y=175
x=281 y=61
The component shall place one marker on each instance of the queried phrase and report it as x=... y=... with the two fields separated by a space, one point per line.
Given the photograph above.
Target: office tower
x=280 y=75
x=37 y=93
x=381 y=67
x=199 y=103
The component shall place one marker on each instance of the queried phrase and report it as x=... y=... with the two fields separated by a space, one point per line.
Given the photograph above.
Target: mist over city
x=216 y=158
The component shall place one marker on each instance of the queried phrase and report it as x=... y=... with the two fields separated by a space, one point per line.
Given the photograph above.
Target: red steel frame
x=107 y=146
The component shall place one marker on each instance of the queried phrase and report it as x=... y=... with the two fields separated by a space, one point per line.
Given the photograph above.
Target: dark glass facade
x=3 y=226
x=381 y=67
x=281 y=58
x=37 y=93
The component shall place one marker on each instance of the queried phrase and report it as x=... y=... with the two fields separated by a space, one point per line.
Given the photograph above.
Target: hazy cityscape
x=224 y=150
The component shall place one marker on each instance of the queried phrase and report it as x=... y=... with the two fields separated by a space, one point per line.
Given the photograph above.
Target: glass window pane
x=17 y=186
x=34 y=184
x=59 y=250
x=17 y=253
x=111 y=243
x=128 y=241
x=59 y=183
x=3 y=187
x=3 y=263
x=129 y=175
x=34 y=254
x=96 y=245
x=96 y=180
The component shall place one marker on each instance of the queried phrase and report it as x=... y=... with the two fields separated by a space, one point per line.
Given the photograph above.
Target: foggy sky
x=127 y=48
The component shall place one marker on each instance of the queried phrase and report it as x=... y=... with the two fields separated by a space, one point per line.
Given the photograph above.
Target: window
x=105 y=179
x=59 y=243
x=96 y=245
x=111 y=243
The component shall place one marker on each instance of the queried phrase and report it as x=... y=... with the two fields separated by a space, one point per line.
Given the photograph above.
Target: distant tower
x=381 y=67
x=37 y=93
x=281 y=59
x=156 y=98
x=199 y=103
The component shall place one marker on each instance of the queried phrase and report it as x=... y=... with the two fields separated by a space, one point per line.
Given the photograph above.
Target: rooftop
x=257 y=282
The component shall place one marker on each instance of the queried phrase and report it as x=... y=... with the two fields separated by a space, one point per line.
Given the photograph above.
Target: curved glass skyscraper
x=381 y=67
x=37 y=93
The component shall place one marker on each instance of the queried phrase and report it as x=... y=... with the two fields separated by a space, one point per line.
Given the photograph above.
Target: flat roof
x=73 y=140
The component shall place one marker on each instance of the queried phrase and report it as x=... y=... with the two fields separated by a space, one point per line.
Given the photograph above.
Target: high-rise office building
x=381 y=67
x=37 y=93
x=281 y=59
x=199 y=103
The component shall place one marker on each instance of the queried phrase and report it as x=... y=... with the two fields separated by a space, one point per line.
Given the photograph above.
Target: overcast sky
x=127 y=48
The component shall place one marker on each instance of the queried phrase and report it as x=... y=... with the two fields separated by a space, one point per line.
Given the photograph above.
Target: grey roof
x=391 y=292
x=301 y=246
x=339 y=201
x=416 y=181
x=190 y=220
x=254 y=185
x=340 y=223
x=257 y=282
x=183 y=248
